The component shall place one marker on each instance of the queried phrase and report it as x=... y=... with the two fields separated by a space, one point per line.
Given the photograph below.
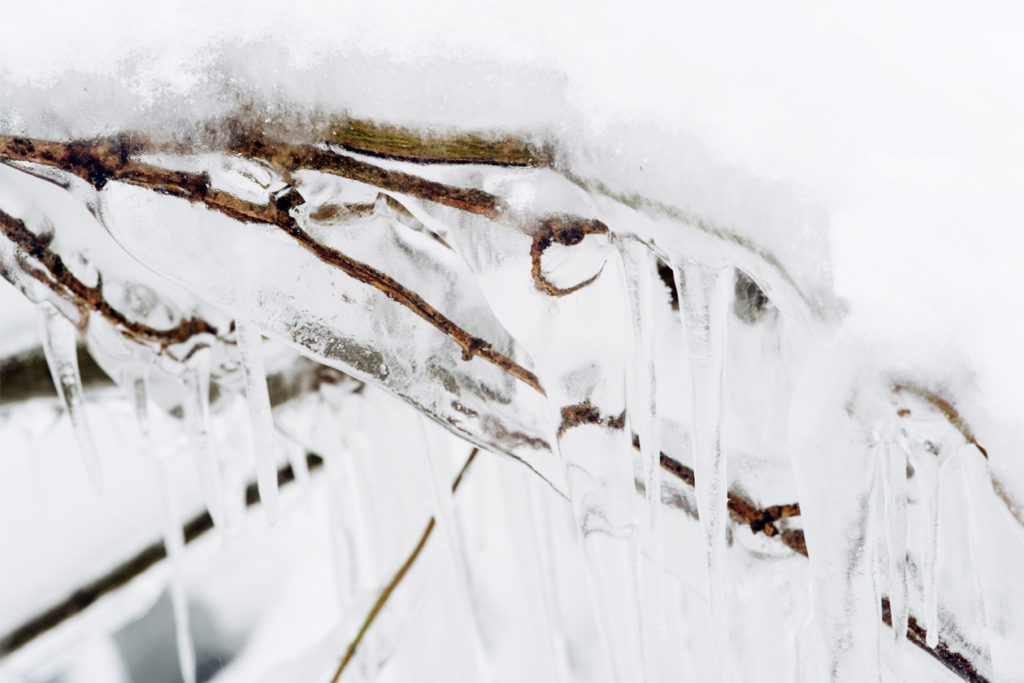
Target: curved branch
x=62 y=282
x=567 y=231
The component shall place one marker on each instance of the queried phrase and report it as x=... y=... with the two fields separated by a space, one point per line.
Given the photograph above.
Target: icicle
x=174 y=541
x=605 y=515
x=264 y=436
x=196 y=406
x=996 y=556
x=704 y=303
x=62 y=357
x=352 y=554
x=535 y=559
x=444 y=514
x=639 y=266
x=300 y=467
x=135 y=383
x=894 y=487
x=928 y=463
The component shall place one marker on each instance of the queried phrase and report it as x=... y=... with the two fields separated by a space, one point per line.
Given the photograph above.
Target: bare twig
x=382 y=599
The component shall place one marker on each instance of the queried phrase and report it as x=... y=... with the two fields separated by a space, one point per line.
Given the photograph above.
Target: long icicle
x=196 y=407
x=444 y=513
x=535 y=563
x=639 y=269
x=264 y=436
x=704 y=303
x=928 y=467
x=135 y=384
x=894 y=487
x=174 y=542
x=59 y=346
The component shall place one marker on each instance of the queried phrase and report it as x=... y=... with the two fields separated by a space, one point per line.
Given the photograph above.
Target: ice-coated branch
x=100 y=162
x=62 y=282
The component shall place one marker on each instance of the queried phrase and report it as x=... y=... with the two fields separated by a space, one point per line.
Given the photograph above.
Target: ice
x=59 y=343
x=928 y=467
x=196 y=408
x=439 y=483
x=543 y=559
x=835 y=501
x=704 y=300
x=893 y=472
x=991 y=561
x=174 y=542
x=264 y=436
x=640 y=267
x=136 y=385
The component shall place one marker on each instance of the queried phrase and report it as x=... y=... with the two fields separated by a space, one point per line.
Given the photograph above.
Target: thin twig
x=395 y=580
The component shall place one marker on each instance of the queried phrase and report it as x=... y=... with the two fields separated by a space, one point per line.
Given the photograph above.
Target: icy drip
x=639 y=266
x=351 y=552
x=444 y=514
x=928 y=464
x=599 y=471
x=196 y=407
x=264 y=436
x=537 y=561
x=704 y=293
x=894 y=491
x=59 y=345
x=174 y=542
x=639 y=269
x=136 y=385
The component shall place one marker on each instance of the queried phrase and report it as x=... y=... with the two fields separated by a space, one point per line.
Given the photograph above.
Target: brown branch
x=944 y=406
x=567 y=231
x=385 y=594
x=402 y=144
x=762 y=519
x=586 y=413
x=303 y=157
x=100 y=162
x=951 y=659
x=61 y=281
